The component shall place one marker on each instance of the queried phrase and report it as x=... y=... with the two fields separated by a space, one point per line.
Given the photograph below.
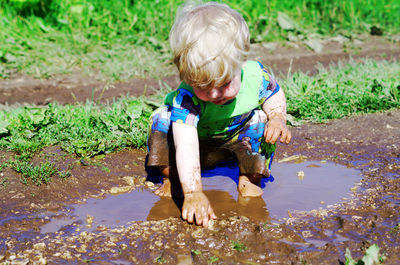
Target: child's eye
x=226 y=84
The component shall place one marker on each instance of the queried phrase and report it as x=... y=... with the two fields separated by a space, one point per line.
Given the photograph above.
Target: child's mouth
x=219 y=102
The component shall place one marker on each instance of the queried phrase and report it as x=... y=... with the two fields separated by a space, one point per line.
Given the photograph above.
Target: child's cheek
x=231 y=92
x=201 y=95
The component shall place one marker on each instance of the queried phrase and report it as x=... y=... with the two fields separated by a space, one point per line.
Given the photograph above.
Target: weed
x=236 y=245
x=3 y=166
x=370 y=257
x=63 y=174
x=160 y=259
x=395 y=229
x=212 y=259
x=39 y=174
x=196 y=252
x=4 y=182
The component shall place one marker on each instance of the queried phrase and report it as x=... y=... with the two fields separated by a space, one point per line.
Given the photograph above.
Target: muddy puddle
x=294 y=187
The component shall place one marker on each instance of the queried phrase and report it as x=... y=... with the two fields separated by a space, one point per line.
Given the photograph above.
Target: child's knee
x=254 y=178
x=165 y=170
x=168 y=171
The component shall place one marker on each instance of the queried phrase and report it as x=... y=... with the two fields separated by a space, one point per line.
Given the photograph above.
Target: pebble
x=306 y=234
x=300 y=175
x=118 y=190
x=184 y=260
x=89 y=220
x=198 y=233
x=39 y=246
x=149 y=184
x=129 y=180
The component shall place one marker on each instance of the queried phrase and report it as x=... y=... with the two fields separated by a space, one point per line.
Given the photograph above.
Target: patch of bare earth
x=367 y=142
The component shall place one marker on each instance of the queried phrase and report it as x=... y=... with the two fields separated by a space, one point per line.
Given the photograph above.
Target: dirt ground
x=369 y=143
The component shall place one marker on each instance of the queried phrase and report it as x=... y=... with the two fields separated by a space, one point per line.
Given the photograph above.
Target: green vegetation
x=118 y=40
x=371 y=257
x=196 y=252
x=343 y=90
x=160 y=259
x=39 y=174
x=86 y=130
x=211 y=259
x=236 y=245
x=395 y=230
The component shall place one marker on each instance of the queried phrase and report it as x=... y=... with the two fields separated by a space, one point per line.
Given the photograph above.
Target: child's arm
x=195 y=203
x=275 y=108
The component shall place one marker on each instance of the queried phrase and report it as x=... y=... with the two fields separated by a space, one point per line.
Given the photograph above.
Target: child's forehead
x=213 y=85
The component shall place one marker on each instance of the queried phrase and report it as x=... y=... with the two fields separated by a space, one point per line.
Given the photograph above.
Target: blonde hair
x=210 y=42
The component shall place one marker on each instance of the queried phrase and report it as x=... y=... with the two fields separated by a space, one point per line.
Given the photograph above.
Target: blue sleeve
x=268 y=87
x=183 y=108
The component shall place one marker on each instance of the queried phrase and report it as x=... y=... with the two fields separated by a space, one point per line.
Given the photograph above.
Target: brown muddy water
x=294 y=188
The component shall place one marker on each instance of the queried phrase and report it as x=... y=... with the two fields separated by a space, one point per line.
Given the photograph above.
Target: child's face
x=220 y=95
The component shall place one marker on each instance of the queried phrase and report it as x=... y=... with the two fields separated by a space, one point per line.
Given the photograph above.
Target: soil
x=369 y=143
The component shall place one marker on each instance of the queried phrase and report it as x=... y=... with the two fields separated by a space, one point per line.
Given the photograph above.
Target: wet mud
x=308 y=220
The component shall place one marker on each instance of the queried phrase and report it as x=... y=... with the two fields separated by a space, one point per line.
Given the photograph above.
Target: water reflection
x=327 y=182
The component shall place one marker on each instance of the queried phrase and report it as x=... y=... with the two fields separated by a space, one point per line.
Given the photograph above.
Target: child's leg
x=165 y=188
x=253 y=154
x=171 y=184
x=249 y=185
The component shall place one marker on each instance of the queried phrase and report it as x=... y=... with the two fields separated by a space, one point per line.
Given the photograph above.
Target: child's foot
x=248 y=189
x=165 y=189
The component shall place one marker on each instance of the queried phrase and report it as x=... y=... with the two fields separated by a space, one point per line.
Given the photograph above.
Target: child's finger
x=200 y=217
x=284 y=136
x=211 y=213
x=268 y=134
x=275 y=136
x=272 y=135
x=204 y=221
x=190 y=215
x=288 y=136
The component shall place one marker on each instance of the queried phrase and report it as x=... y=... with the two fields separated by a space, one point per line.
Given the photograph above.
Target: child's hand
x=196 y=205
x=277 y=127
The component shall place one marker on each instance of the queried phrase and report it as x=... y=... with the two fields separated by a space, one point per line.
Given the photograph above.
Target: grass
x=343 y=90
x=238 y=246
x=90 y=129
x=86 y=130
x=210 y=260
x=119 y=40
x=38 y=174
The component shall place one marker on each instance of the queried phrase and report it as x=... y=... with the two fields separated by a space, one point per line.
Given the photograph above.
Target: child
x=225 y=108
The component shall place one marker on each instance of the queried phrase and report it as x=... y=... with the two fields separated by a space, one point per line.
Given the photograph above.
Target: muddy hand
x=276 y=127
x=197 y=207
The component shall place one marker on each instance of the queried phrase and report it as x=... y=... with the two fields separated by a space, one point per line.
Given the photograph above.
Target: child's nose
x=214 y=93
